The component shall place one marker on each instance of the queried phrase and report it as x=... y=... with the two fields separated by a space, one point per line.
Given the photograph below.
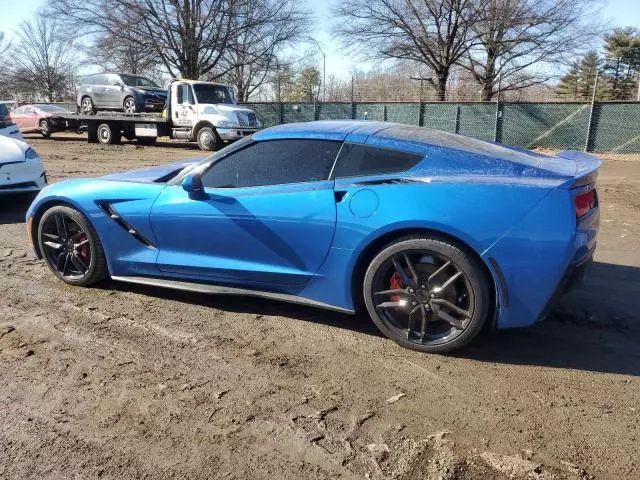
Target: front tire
x=43 y=125
x=427 y=294
x=129 y=105
x=208 y=139
x=71 y=247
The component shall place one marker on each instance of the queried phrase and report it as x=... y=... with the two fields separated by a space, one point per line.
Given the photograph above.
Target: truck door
x=183 y=105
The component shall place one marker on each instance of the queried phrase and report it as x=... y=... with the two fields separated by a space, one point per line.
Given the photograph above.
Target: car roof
x=339 y=130
x=396 y=136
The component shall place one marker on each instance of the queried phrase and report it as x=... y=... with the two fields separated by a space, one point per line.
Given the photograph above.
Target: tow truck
x=196 y=111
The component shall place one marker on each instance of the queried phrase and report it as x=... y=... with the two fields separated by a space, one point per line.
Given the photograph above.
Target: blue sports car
x=436 y=235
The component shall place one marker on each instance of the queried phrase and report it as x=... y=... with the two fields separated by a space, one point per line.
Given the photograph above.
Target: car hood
x=12 y=150
x=158 y=174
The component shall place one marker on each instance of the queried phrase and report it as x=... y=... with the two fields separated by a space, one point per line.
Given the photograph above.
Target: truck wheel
x=86 y=106
x=208 y=139
x=108 y=135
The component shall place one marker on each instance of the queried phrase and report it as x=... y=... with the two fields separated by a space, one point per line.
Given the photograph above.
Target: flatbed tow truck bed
x=110 y=127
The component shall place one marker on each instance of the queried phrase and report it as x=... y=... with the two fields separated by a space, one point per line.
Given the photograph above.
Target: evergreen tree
x=622 y=50
x=568 y=89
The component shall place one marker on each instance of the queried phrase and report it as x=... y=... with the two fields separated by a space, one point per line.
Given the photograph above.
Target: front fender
x=125 y=253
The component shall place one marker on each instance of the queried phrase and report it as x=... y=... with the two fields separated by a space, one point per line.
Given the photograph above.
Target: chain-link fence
x=598 y=127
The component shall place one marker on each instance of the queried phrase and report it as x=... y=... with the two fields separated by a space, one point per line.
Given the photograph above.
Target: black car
x=120 y=91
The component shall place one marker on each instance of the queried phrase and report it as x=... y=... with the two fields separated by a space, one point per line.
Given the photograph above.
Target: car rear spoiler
x=586 y=168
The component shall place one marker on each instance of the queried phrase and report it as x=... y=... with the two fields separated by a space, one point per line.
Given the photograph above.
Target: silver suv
x=119 y=91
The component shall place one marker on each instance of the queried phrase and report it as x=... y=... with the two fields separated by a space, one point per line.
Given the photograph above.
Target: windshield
x=50 y=108
x=208 y=93
x=135 y=81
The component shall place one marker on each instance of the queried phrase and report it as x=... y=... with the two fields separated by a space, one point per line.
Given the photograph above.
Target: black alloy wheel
x=71 y=247
x=427 y=294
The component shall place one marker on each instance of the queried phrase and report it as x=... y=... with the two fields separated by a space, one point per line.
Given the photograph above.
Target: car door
x=113 y=91
x=98 y=91
x=30 y=119
x=18 y=117
x=183 y=106
x=267 y=217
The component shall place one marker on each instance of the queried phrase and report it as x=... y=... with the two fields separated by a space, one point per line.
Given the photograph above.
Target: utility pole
x=324 y=70
x=422 y=106
x=422 y=80
x=587 y=143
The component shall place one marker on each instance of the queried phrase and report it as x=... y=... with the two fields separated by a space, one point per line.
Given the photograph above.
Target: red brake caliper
x=394 y=284
x=84 y=249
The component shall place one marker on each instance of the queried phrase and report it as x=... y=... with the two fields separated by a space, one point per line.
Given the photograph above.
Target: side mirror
x=193 y=185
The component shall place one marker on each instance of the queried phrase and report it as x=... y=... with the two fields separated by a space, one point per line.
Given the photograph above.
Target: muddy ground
x=125 y=382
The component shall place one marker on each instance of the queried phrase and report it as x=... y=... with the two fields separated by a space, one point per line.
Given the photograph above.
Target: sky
x=616 y=12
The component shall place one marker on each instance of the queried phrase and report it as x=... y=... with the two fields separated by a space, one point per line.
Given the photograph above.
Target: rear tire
x=427 y=294
x=72 y=249
x=87 y=107
x=108 y=135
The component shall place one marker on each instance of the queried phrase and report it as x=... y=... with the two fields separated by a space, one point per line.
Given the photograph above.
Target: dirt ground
x=125 y=382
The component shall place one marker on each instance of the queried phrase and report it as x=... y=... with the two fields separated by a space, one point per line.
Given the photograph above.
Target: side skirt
x=222 y=290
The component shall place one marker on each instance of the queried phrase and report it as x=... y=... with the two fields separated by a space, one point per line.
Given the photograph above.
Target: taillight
x=5 y=120
x=585 y=202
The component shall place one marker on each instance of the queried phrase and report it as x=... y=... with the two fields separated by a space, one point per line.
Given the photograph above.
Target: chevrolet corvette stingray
x=435 y=235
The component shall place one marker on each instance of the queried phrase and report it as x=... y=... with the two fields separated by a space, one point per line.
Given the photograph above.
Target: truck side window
x=185 y=94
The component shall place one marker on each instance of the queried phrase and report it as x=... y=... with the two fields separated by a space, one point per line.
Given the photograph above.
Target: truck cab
x=207 y=113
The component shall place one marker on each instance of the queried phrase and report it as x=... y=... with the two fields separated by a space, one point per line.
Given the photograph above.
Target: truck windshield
x=208 y=93
x=135 y=81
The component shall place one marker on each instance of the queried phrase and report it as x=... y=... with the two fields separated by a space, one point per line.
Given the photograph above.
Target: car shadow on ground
x=583 y=332
x=13 y=207
x=83 y=138
x=594 y=328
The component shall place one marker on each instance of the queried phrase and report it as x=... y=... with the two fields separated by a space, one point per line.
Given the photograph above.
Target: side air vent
x=115 y=216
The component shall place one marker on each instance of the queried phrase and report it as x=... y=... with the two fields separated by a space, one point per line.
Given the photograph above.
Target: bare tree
x=516 y=38
x=193 y=38
x=116 y=53
x=432 y=33
x=263 y=29
x=41 y=60
x=189 y=37
x=4 y=79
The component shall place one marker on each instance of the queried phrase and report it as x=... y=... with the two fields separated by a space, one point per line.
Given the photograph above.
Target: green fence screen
x=601 y=127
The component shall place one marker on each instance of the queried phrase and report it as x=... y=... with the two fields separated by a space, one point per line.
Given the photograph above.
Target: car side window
x=273 y=162
x=361 y=160
x=29 y=110
x=19 y=111
x=113 y=80
x=99 y=80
